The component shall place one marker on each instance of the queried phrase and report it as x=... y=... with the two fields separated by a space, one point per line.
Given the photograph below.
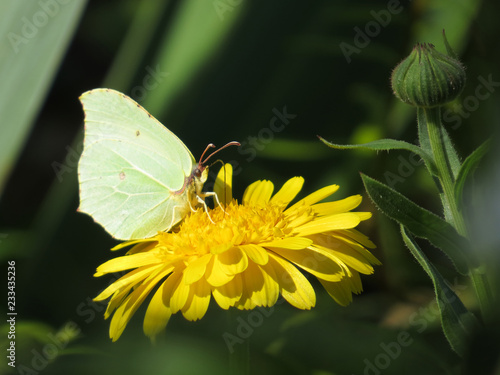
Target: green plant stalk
x=446 y=179
x=239 y=356
x=434 y=126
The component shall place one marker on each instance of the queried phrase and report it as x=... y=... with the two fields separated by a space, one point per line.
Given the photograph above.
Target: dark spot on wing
x=122 y=176
x=137 y=133
x=150 y=115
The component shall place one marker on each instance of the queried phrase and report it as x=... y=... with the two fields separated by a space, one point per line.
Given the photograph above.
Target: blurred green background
x=217 y=71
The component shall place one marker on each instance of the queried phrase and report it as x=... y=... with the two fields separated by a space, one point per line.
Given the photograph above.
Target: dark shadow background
x=274 y=55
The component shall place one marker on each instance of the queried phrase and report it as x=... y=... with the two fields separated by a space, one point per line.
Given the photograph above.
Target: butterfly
x=136 y=177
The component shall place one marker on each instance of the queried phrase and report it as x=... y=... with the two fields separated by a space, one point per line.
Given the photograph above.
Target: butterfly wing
x=130 y=167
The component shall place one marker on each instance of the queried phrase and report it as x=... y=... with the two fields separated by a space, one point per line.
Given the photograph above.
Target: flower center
x=236 y=225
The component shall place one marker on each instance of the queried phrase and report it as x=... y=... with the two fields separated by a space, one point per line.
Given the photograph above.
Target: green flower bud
x=427 y=78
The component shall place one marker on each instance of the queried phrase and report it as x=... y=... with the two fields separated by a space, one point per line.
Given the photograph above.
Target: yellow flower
x=242 y=255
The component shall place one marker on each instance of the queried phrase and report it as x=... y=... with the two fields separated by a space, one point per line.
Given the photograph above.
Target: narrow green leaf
x=34 y=40
x=386 y=145
x=61 y=193
x=421 y=222
x=457 y=322
x=468 y=167
x=134 y=46
x=204 y=27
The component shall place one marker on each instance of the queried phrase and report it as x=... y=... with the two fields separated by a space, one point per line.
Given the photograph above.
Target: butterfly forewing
x=130 y=166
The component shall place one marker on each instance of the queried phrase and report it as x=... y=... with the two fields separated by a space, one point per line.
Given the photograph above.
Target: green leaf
x=32 y=50
x=386 y=145
x=468 y=167
x=457 y=322
x=204 y=27
x=146 y=20
x=421 y=222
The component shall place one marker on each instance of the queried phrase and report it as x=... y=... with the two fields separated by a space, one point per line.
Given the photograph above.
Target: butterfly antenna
x=211 y=145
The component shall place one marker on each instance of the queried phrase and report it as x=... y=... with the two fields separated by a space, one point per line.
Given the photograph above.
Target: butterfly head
x=200 y=175
x=200 y=171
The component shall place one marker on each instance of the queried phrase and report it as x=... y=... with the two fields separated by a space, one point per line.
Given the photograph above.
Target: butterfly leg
x=202 y=201
x=216 y=198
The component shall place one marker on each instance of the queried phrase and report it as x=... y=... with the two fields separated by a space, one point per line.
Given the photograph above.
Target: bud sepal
x=428 y=78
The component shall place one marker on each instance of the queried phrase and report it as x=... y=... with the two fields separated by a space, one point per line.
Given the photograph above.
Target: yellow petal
x=345 y=254
x=115 y=301
x=119 y=295
x=292 y=243
x=253 y=283
x=339 y=291
x=147 y=241
x=358 y=237
x=227 y=295
x=142 y=246
x=315 y=197
x=180 y=294
x=264 y=290
x=245 y=303
x=258 y=193
x=357 y=247
x=115 y=327
x=314 y=262
x=215 y=274
x=363 y=215
x=220 y=248
x=256 y=253
x=126 y=262
x=129 y=280
x=294 y=287
x=355 y=283
x=233 y=261
x=158 y=313
x=300 y=218
x=328 y=223
x=198 y=301
x=223 y=187
x=271 y=287
x=337 y=207
x=126 y=310
x=196 y=269
x=288 y=191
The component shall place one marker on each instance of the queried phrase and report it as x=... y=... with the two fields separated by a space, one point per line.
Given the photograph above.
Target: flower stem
x=477 y=273
x=483 y=292
x=239 y=352
x=435 y=128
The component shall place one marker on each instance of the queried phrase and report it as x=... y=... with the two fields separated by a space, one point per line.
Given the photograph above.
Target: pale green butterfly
x=136 y=177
